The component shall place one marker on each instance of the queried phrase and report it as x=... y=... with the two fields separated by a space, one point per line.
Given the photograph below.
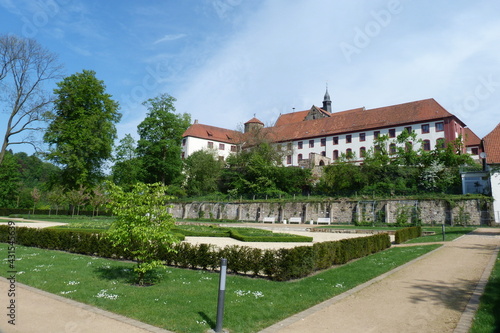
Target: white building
x=491 y=143
x=331 y=134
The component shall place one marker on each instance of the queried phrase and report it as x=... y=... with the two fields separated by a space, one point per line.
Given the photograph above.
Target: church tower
x=327 y=103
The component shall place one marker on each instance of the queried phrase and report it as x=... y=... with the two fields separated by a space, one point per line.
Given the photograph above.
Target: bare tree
x=24 y=68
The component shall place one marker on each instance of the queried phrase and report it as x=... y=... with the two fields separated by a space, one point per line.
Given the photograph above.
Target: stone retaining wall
x=472 y=211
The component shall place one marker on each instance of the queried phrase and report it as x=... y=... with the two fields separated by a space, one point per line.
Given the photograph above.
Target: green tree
x=24 y=68
x=82 y=130
x=160 y=140
x=203 y=172
x=142 y=225
x=127 y=169
x=258 y=171
x=9 y=181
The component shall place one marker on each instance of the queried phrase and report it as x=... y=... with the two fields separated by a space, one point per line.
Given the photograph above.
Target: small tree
x=36 y=195
x=143 y=225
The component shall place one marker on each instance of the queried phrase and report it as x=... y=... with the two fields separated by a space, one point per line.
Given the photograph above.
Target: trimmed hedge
x=278 y=265
x=402 y=235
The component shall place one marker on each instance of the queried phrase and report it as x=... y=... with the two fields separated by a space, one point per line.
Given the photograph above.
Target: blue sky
x=226 y=60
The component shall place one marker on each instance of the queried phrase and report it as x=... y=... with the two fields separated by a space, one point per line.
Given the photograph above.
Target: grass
x=451 y=233
x=186 y=300
x=487 y=318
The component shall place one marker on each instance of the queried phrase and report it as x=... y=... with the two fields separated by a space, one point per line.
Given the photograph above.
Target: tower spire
x=327 y=103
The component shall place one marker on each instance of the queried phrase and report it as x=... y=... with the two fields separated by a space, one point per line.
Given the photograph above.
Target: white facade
x=221 y=149
x=333 y=146
x=495 y=191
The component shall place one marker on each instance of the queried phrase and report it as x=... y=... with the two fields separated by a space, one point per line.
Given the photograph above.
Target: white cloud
x=285 y=53
x=168 y=38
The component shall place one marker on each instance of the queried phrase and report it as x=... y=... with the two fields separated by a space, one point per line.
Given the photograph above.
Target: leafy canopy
x=143 y=224
x=82 y=130
x=159 y=145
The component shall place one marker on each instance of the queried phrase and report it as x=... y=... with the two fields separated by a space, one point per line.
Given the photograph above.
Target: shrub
x=278 y=265
x=402 y=235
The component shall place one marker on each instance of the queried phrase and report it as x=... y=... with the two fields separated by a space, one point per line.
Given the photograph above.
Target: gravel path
x=429 y=295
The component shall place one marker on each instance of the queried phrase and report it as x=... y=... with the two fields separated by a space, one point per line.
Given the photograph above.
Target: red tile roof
x=293 y=117
x=358 y=120
x=254 y=121
x=491 y=144
x=292 y=126
x=471 y=139
x=213 y=133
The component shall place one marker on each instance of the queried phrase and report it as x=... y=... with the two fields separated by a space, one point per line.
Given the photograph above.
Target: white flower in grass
x=104 y=294
x=258 y=294
x=339 y=285
x=242 y=293
x=21 y=272
x=72 y=283
x=35 y=270
x=67 y=292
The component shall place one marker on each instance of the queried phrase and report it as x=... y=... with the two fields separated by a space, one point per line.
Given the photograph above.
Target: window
x=221 y=158
x=210 y=144
x=409 y=146
x=427 y=145
x=362 y=152
x=348 y=153
x=335 y=154
x=299 y=144
x=323 y=153
x=299 y=157
x=311 y=143
x=335 y=140
x=425 y=128
x=362 y=137
x=348 y=138
x=221 y=146
x=289 y=159
x=323 y=142
x=183 y=142
x=439 y=127
x=392 y=148
x=183 y=155
x=233 y=148
x=376 y=134
x=392 y=133
x=289 y=146
x=408 y=129
x=475 y=151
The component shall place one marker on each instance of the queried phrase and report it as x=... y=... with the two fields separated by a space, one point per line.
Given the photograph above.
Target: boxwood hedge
x=279 y=265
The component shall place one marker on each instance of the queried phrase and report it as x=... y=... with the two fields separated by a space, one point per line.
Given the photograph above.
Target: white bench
x=295 y=220
x=323 y=220
x=269 y=219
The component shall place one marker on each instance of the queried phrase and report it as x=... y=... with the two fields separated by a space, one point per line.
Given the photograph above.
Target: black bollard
x=222 y=292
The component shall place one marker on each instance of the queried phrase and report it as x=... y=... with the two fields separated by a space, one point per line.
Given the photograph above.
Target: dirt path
x=29 y=223
x=429 y=295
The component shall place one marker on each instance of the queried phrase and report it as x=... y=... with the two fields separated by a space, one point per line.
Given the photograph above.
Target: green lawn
x=487 y=318
x=186 y=300
x=450 y=233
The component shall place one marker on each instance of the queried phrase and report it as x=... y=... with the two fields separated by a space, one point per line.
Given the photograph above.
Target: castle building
x=319 y=136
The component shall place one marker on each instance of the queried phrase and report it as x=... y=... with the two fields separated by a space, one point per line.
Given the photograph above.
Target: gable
x=491 y=144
